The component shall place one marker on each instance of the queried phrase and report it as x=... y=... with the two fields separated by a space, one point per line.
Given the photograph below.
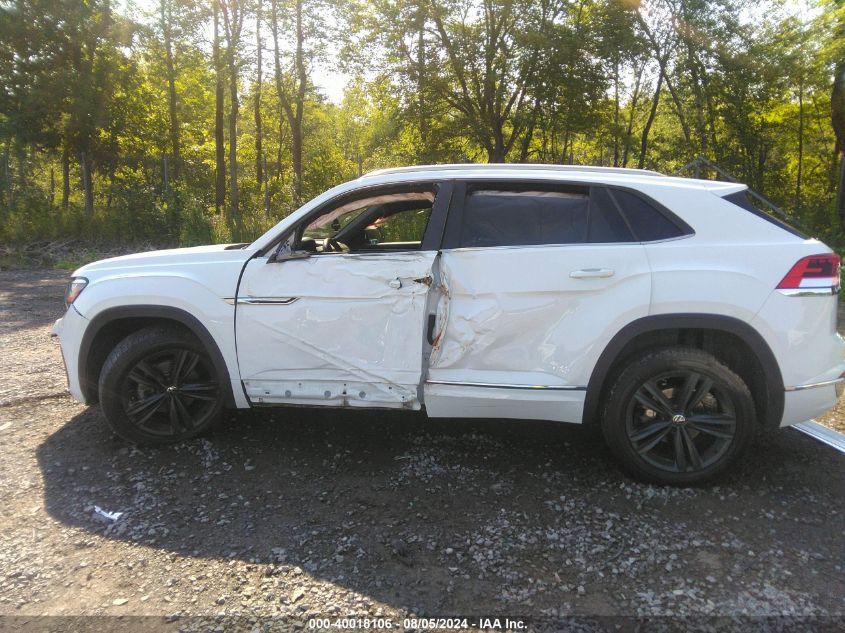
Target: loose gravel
x=285 y=515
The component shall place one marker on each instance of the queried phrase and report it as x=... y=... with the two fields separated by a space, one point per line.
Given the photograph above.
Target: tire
x=159 y=386
x=677 y=416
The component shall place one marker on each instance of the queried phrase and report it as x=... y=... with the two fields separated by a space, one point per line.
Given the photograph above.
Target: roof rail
x=510 y=166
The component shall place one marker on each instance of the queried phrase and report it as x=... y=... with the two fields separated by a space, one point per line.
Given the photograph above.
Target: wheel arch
x=112 y=325
x=731 y=340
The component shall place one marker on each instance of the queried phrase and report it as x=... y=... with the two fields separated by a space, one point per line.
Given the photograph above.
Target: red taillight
x=815 y=271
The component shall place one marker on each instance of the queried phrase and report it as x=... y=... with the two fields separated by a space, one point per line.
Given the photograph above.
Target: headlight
x=74 y=287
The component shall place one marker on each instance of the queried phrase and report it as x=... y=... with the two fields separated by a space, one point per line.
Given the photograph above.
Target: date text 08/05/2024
x=497 y=624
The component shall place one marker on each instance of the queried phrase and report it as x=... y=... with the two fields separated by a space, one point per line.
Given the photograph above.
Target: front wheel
x=678 y=416
x=159 y=386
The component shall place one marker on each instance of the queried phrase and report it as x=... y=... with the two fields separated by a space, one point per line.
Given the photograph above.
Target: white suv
x=667 y=311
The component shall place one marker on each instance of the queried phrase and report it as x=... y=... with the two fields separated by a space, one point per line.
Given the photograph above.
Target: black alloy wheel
x=159 y=385
x=681 y=422
x=170 y=393
x=677 y=416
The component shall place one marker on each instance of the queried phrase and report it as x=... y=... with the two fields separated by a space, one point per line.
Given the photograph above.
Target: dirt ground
x=287 y=515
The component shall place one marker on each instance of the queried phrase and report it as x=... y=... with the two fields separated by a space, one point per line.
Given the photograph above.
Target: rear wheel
x=159 y=385
x=678 y=416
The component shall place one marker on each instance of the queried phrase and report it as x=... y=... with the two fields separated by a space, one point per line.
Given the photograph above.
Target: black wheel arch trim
x=170 y=313
x=694 y=321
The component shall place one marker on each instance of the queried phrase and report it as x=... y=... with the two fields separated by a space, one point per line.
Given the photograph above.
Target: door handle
x=395 y=284
x=592 y=273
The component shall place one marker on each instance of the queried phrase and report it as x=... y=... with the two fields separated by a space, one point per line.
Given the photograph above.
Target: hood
x=171 y=256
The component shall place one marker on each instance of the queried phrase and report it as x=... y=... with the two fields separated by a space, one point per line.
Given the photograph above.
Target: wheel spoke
x=200 y=391
x=708 y=431
x=651 y=397
x=184 y=364
x=150 y=412
x=645 y=448
x=176 y=423
x=648 y=431
x=145 y=374
x=184 y=415
x=140 y=406
x=683 y=398
x=692 y=449
x=702 y=389
x=717 y=419
x=176 y=364
x=680 y=453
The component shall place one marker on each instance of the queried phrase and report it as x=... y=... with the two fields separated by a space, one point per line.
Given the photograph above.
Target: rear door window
x=528 y=215
x=531 y=216
x=495 y=217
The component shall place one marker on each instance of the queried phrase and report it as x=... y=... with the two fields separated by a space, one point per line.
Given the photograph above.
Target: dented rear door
x=520 y=326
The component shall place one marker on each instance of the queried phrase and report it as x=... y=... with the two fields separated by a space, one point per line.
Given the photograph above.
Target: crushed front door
x=334 y=329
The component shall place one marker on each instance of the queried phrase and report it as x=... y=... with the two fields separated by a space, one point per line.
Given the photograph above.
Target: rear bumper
x=807 y=401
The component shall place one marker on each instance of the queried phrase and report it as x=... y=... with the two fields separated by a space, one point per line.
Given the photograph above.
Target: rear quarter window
x=648 y=223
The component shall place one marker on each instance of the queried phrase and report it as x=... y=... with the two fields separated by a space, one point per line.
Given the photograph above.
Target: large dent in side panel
x=345 y=338
x=514 y=316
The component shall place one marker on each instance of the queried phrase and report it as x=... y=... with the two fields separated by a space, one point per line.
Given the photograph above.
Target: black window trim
x=462 y=188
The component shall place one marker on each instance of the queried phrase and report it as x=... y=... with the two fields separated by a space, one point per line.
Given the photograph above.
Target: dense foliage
x=187 y=121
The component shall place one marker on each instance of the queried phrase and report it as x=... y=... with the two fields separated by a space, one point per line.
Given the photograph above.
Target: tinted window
x=648 y=223
x=741 y=199
x=524 y=218
x=606 y=225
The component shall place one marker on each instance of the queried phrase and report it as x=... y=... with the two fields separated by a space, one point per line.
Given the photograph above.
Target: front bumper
x=69 y=330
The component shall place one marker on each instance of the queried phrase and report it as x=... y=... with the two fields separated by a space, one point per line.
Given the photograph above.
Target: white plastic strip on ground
x=822 y=434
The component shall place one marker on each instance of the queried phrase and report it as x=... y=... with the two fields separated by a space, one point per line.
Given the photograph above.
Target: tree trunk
x=259 y=152
x=220 y=150
x=280 y=92
x=652 y=113
x=616 y=113
x=630 y=130
x=840 y=194
x=65 y=179
x=7 y=177
x=296 y=126
x=800 y=144
x=87 y=185
x=266 y=187
x=233 y=133
x=837 y=107
x=679 y=109
x=421 y=87
x=166 y=27
x=529 y=132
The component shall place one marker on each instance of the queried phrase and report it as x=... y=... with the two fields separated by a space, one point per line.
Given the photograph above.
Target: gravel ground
x=305 y=513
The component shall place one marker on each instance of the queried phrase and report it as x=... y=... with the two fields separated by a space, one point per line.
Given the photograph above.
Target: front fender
x=173 y=296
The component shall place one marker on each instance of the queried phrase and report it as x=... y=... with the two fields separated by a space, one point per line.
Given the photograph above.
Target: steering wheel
x=333 y=246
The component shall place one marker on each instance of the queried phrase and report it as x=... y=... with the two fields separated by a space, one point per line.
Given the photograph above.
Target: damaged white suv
x=668 y=311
